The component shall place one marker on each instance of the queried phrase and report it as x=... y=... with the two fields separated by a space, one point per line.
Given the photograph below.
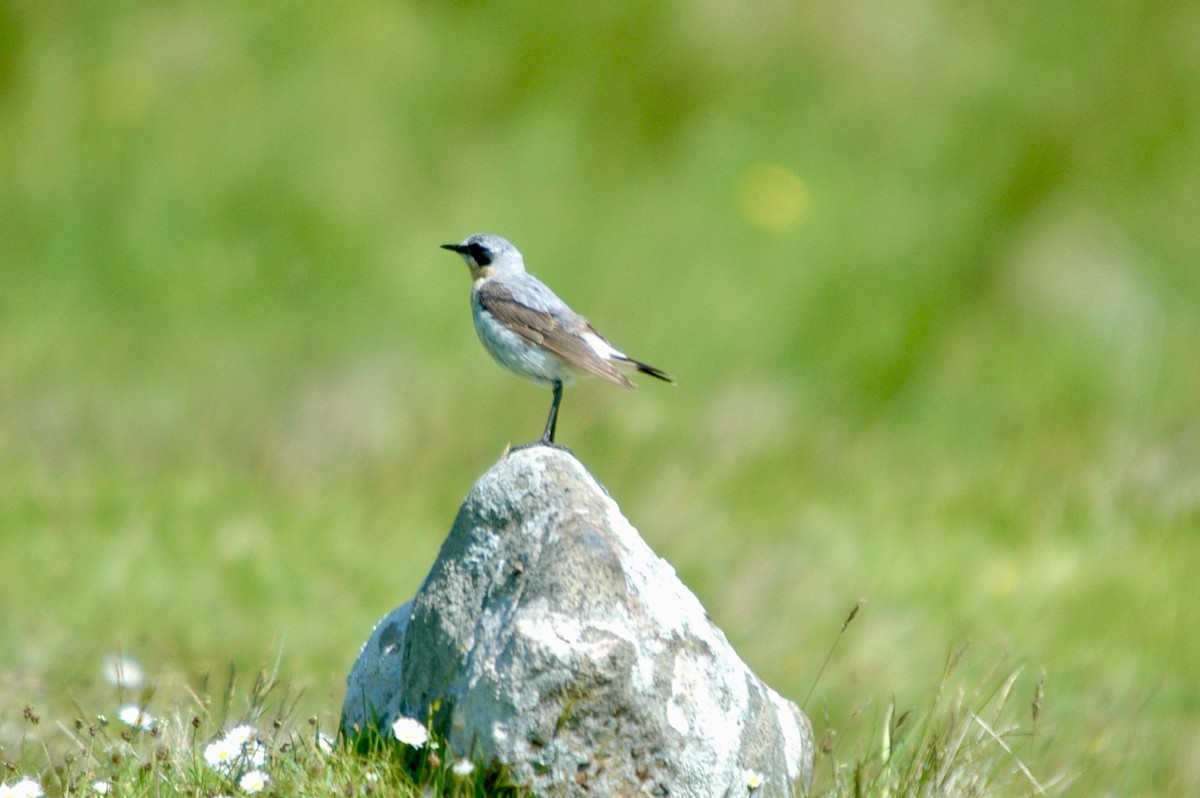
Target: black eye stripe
x=479 y=254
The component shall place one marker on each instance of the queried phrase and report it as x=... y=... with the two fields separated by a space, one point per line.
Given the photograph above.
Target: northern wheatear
x=530 y=331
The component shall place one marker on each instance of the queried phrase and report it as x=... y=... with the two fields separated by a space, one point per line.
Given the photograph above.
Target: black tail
x=653 y=372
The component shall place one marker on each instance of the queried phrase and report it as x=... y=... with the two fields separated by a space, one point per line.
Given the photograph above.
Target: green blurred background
x=926 y=274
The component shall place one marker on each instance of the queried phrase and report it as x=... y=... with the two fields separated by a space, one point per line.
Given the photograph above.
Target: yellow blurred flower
x=772 y=197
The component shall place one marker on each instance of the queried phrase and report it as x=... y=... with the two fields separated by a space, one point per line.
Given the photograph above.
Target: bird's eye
x=479 y=254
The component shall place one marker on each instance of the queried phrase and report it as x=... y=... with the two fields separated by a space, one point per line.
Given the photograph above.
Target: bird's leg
x=547 y=438
x=552 y=421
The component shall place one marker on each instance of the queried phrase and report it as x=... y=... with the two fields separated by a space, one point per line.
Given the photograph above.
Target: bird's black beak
x=459 y=248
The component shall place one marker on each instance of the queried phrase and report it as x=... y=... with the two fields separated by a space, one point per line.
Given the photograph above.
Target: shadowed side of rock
x=548 y=637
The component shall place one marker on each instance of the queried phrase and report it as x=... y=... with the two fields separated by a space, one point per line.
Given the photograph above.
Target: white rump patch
x=601 y=347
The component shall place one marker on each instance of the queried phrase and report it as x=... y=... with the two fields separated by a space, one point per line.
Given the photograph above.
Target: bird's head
x=487 y=255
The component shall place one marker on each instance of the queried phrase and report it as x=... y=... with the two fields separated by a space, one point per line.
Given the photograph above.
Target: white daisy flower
x=255 y=753
x=410 y=732
x=25 y=788
x=122 y=671
x=754 y=780
x=240 y=735
x=101 y=787
x=253 y=781
x=135 y=716
x=222 y=754
x=463 y=768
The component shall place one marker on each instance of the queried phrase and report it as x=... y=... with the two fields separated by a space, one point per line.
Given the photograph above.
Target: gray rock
x=372 y=688
x=549 y=638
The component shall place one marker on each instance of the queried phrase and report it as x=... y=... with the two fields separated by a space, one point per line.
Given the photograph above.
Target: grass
x=188 y=752
x=968 y=741
x=963 y=743
x=925 y=274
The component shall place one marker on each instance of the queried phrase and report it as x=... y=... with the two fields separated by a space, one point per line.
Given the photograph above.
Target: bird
x=528 y=330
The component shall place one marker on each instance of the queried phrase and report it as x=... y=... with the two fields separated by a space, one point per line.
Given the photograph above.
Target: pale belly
x=519 y=356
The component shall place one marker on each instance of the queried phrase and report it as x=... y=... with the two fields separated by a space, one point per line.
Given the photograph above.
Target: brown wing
x=561 y=333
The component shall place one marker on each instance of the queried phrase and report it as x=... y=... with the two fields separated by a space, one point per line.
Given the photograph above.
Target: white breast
x=518 y=355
